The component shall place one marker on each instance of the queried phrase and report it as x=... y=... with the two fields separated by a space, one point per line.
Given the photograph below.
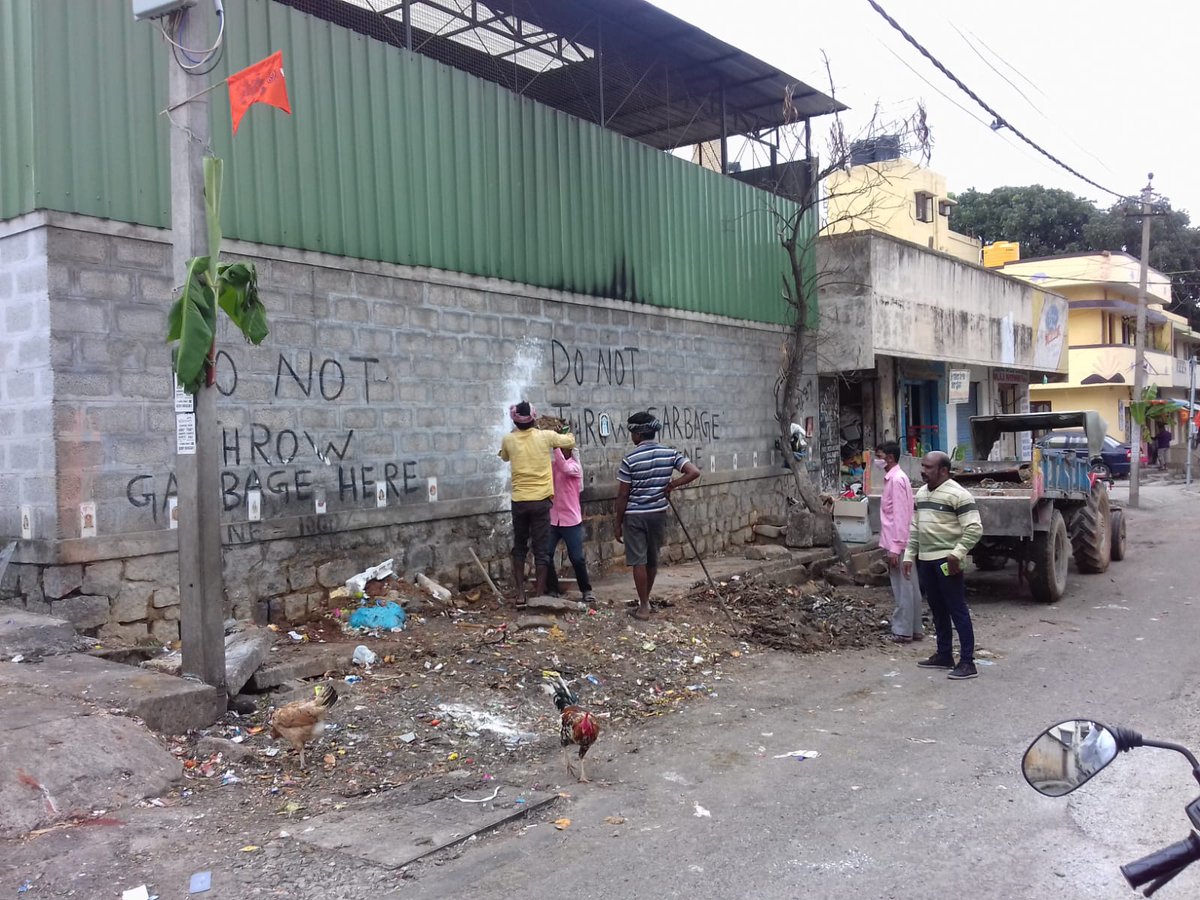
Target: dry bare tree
x=859 y=204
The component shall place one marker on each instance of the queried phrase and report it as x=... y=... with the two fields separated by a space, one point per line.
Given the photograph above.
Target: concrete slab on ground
x=32 y=634
x=165 y=704
x=288 y=663
x=391 y=833
x=60 y=758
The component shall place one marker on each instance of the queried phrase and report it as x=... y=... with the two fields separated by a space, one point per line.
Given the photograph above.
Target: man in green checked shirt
x=945 y=528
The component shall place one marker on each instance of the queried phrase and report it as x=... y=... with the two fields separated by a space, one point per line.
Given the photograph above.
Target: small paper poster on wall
x=87 y=519
x=27 y=523
x=960 y=386
x=183 y=400
x=185 y=433
x=173 y=512
x=380 y=495
x=433 y=494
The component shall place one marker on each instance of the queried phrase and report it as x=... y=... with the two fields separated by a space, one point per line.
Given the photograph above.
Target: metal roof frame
x=624 y=64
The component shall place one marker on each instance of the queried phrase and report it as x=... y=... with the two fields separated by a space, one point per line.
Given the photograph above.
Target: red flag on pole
x=260 y=83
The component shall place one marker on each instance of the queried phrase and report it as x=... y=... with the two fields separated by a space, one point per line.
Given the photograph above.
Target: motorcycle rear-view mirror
x=1066 y=755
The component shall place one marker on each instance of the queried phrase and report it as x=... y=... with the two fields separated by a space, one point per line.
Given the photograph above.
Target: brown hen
x=302 y=721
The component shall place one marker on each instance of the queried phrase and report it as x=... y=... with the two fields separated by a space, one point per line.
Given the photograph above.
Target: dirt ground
x=454 y=706
x=460 y=690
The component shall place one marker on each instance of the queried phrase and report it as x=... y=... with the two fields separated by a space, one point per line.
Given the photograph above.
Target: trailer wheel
x=989 y=562
x=1049 y=558
x=1091 y=531
x=1118 y=534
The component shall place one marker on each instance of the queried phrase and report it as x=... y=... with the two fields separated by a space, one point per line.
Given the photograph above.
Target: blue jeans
x=947 y=596
x=572 y=536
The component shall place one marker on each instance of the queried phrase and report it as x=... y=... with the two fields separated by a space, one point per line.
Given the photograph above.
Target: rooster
x=579 y=727
x=302 y=721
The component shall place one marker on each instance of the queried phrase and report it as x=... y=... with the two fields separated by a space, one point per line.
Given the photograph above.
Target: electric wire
x=988 y=63
x=970 y=42
x=202 y=62
x=1000 y=121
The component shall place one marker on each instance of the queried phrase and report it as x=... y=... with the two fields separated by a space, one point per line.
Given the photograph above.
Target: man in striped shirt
x=945 y=528
x=643 y=486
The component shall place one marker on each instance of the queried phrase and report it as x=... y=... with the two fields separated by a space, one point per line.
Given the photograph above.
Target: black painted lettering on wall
x=329 y=374
x=367 y=362
x=287 y=485
x=227 y=374
x=259 y=446
x=613 y=366
x=141 y=493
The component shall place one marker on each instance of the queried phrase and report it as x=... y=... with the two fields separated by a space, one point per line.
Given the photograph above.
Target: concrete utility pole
x=201 y=590
x=1191 y=416
x=1139 y=361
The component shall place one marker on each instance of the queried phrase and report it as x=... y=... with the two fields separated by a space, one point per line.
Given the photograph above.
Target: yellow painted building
x=899 y=198
x=1102 y=292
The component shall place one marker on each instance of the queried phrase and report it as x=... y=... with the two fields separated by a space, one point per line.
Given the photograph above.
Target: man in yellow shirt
x=527 y=450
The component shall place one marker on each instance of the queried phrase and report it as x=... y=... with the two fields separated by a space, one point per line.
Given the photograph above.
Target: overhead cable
x=998 y=120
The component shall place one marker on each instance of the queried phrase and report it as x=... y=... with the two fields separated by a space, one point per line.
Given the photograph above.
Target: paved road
x=917 y=792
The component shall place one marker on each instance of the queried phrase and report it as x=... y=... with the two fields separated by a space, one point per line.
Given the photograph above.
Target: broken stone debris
x=245 y=650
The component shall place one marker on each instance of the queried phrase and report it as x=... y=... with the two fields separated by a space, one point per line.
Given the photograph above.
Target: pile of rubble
x=809 y=618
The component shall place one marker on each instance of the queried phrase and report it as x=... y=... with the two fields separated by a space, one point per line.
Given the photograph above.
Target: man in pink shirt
x=566 y=521
x=895 y=520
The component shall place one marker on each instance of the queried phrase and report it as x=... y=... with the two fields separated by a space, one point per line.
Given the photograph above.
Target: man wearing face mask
x=895 y=521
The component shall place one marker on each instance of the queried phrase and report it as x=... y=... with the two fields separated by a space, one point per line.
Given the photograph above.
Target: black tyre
x=988 y=562
x=1049 y=559
x=1117 y=539
x=1091 y=531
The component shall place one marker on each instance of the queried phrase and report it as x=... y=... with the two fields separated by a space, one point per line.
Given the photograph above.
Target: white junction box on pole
x=156 y=9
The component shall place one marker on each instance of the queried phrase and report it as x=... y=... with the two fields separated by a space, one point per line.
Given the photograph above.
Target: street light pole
x=1139 y=362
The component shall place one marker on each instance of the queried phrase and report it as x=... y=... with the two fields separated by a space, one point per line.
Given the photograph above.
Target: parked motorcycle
x=1068 y=754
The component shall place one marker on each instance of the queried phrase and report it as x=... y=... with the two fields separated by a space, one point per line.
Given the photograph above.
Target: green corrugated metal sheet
x=16 y=108
x=99 y=82
x=392 y=156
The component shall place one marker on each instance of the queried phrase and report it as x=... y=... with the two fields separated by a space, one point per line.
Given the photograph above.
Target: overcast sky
x=1110 y=88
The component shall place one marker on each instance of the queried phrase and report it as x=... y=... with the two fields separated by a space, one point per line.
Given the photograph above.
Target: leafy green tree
x=1046 y=221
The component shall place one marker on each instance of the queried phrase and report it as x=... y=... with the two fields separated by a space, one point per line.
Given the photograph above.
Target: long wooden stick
x=699 y=559
x=486 y=576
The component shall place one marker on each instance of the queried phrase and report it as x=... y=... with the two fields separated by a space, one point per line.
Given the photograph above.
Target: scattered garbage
x=141 y=892
x=922 y=740
x=562 y=824
x=357 y=584
x=389 y=616
x=364 y=656
x=200 y=883
x=298 y=637
x=614 y=820
x=26 y=885
x=352 y=679
x=229 y=778
x=799 y=754
x=408 y=737
x=495 y=793
x=434 y=588
x=18 y=658
x=701 y=812
x=984 y=662
x=481 y=720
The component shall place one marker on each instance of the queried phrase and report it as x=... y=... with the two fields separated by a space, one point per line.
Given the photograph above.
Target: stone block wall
x=28 y=459
x=382 y=389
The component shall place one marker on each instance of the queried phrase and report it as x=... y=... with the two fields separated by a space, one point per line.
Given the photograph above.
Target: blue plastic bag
x=387 y=616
